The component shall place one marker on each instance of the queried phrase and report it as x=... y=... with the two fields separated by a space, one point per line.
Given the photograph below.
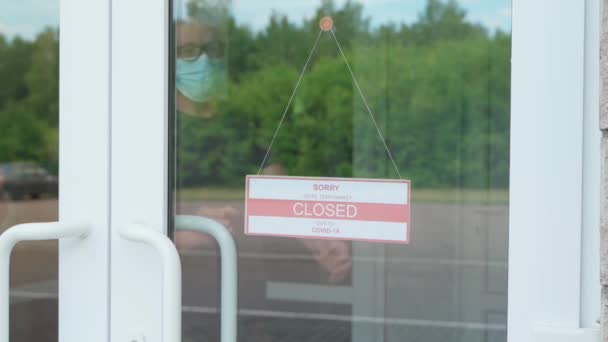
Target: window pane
x=427 y=81
x=29 y=96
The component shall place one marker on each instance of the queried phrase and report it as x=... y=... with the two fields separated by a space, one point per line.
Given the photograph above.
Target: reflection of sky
x=491 y=13
x=27 y=17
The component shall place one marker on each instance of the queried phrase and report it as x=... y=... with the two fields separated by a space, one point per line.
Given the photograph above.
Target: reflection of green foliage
x=439 y=89
x=29 y=99
x=23 y=135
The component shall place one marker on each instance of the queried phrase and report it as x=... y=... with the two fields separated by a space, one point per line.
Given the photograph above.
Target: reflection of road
x=449 y=284
x=7 y=211
x=31 y=261
x=14 y=212
x=33 y=274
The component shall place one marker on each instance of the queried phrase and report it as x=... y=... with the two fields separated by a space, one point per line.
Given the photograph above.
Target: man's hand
x=333 y=256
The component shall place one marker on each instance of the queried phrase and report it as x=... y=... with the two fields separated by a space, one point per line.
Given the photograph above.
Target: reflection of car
x=23 y=179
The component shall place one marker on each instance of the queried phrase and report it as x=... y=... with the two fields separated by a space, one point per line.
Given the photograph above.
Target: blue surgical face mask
x=199 y=79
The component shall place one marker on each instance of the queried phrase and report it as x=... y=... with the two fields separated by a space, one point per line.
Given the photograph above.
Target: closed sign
x=376 y=210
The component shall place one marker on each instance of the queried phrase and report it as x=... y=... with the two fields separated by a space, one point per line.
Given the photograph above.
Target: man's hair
x=214 y=13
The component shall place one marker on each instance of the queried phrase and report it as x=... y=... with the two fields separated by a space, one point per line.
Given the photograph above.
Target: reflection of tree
x=29 y=99
x=440 y=87
x=443 y=21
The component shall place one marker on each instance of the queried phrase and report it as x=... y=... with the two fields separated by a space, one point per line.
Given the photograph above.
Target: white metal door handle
x=171 y=277
x=28 y=232
x=228 y=268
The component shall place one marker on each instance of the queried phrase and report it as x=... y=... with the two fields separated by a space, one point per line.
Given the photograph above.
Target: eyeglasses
x=191 y=52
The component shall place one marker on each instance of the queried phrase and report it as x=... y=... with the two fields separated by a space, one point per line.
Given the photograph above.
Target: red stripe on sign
x=329 y=210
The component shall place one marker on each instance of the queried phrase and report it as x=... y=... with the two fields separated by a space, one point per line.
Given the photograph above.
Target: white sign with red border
x=375 y=210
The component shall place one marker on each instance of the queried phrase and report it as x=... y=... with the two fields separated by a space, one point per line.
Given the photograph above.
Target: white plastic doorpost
x=171 y=277
x=28 y=232
x=228 y=268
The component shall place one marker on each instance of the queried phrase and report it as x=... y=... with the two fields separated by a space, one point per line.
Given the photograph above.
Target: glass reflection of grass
x=421 y=196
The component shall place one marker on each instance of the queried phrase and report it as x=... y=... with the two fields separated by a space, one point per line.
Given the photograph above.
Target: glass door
x=55 y=118
x=358 y=155
x=398 y=91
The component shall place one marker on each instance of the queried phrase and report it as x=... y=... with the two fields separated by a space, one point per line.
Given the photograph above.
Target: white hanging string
x=352 y=74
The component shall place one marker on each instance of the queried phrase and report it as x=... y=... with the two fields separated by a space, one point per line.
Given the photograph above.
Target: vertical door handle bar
x=228 y=268
x=171 y=277
x=28 y=232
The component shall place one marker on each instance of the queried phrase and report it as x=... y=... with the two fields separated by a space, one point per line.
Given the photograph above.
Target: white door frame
x=140 y=32
x=84 y=173
x=113 y=168
x=554 y=181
